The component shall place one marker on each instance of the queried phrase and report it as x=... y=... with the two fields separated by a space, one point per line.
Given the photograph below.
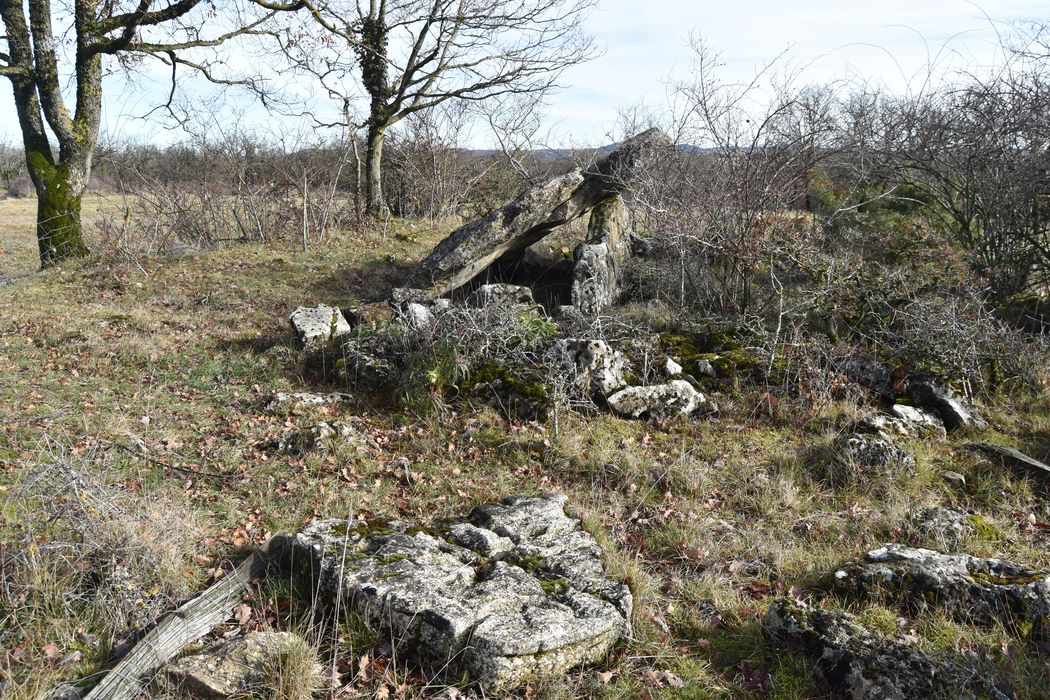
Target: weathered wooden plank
x=188 y=623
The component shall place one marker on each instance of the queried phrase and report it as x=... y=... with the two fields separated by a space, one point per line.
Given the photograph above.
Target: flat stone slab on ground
x=515 y=591
x=970 y=589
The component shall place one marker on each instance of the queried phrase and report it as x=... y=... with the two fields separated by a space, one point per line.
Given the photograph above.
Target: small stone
x=302 y=441
x=918 y=421
x=319 y=325
x=672 y=368
x=954 y=477
x=232 y=668
x=1015 y=459
x=659 y=401
x=705 y=368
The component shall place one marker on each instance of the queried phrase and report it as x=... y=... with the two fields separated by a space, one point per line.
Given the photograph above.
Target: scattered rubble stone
x=316 y=326
x=943 y=527
x=851 y=661
x=659 y=401
x=1015 y=459
x=969 y=588
x=515 y=591
x=595 y=365
x=864 y=456
x=304 y=440
x=292 y=400
x=940 y=398
x=232 y=668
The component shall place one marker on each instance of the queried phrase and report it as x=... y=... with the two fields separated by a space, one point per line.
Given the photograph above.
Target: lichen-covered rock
x=515 y=591
x=940 y=399
x=285 y=401
x=500 y=295
x=945 y=528
x=971 y=589
x=317 y=326
x=918 y=422
x=235 y=667
x=859 y=457
x=851 y=661
x=361 y=367
x=869 y=373
x=659 y=401
x=593 y=365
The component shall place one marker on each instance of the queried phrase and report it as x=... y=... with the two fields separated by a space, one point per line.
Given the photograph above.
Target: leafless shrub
x=85 y=551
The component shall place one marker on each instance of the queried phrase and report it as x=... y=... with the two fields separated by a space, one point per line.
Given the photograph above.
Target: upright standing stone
x=599 y=261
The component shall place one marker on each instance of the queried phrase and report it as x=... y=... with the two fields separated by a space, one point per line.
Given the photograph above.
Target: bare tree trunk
x=374 y=203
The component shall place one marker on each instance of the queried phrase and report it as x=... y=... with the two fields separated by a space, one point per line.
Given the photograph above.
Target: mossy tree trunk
x=30 y=60
x=59 y=193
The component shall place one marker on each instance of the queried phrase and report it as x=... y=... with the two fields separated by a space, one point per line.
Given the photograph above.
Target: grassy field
x=131 y=417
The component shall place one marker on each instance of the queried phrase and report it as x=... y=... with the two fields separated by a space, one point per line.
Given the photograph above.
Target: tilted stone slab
x=1015 y=459
x=537 y=211
x=971 y=589
x=515 y=591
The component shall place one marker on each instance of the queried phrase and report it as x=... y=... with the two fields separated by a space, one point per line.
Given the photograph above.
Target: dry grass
x=153 y=375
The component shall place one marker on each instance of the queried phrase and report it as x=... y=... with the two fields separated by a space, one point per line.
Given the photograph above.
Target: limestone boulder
x=1014 y=459
x=317 y=326
x=502 y=296
x=939 y=398
x=971 y=589
x=852 y=662
x=592 y=365
x=942 y=527
x=281 y=401
x=659 y=401
x=857 y=457
x=515 y=591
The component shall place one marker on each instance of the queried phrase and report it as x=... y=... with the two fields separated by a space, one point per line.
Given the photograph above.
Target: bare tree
x=33 y=57
x=412 y=55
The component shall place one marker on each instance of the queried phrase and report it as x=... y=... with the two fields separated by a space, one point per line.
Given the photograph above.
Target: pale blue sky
x=646 y=43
